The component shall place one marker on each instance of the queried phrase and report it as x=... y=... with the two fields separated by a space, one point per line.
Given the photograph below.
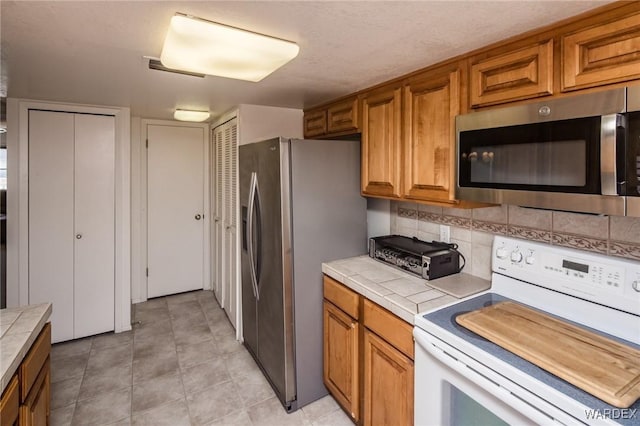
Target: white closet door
x=218 y=225
x=231 y=207
x=94 y=275
x=51 y=216
x=175 y=209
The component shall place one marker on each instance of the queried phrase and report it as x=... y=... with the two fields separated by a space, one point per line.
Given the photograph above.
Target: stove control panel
x=603 y=279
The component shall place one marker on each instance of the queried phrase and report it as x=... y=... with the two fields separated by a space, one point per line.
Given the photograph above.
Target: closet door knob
x=78 y=236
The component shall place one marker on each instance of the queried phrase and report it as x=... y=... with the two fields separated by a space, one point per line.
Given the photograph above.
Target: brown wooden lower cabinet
x=341 y=358
x=35 y=381
x=368 y=365
x=388 y=383
x=34 y=411
x=10 y=404
x=27 y=399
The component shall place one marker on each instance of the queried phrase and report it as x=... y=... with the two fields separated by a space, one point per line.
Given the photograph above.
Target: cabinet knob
x=78 y=236
x=198 y=217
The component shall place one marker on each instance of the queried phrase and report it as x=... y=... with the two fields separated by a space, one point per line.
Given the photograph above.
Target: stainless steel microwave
x=579 y=153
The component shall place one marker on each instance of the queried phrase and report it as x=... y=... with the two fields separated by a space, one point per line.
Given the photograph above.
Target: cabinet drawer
x=341 y=296
x=606 y=53
x=33 y=362
x=10 y=403
x=389 y=327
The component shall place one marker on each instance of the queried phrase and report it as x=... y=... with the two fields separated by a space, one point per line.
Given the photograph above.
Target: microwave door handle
x=250 y=208
x=608 y=172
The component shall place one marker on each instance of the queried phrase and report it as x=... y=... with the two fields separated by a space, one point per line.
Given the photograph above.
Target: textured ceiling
x=92 y=51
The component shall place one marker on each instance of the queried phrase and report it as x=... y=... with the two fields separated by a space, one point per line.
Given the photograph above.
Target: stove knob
x=531 y=259
x=636 y=286
x=516 y=256
x=501 y=253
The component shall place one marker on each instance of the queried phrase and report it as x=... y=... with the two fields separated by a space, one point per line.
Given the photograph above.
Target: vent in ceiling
x=155 y=64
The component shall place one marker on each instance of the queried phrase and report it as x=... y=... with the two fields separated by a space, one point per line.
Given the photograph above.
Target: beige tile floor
x=181 y=365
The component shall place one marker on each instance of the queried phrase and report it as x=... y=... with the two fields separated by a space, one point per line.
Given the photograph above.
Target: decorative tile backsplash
x=473 y=230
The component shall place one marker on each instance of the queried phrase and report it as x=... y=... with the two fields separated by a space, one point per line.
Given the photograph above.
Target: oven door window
x=467 y=411
x=558 y=156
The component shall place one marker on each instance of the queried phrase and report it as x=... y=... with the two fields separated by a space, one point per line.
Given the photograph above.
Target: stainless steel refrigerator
x=300 y=206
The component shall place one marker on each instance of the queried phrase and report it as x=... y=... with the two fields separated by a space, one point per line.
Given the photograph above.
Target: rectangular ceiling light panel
x=206 y=47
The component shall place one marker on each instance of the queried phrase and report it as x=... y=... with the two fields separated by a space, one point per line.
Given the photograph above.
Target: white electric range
x=464 y=379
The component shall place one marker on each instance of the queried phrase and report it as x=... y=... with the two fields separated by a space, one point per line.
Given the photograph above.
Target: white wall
x=257 y=122
x=378 y=217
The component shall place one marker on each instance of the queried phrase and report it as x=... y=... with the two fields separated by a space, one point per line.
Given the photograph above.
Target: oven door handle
x=423 y=339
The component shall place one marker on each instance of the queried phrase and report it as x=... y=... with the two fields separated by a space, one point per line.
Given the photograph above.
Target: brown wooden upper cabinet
x=343 y=116
x=315 y=123
x=381 y=132
x=514 y=75
x=602 y=54
x=338 y=118
x=431 y=103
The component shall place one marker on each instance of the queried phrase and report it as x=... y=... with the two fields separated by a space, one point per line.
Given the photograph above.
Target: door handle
x=198 y=217
x=251 y=205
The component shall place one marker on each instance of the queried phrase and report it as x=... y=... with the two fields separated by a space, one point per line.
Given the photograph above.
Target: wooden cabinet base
x=10 y=404
x=388 y=384
x=36 y=408
x=368 y=363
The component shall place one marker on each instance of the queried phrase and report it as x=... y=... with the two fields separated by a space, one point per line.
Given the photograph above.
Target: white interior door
x=230 y=279
x=51 y=216
x=94 y=254
x=218 y=227
x=175 y=209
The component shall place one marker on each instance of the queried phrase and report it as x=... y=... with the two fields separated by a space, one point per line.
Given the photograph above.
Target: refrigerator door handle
x=258 y=225
x=250 y=208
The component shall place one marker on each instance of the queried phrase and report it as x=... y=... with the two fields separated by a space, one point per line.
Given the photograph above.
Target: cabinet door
x=315 y=123
x=341 y=358
x=381 y=128
x=36 y=408
x=10 y=404
x=431 y=105
x=388 y=383
x=343 y=116
x=521 y=74
x=602 y=54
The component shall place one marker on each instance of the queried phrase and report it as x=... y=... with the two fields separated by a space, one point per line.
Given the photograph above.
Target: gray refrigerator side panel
x=329 y=220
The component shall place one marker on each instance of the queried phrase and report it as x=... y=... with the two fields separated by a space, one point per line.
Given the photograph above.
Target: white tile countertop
x=402 y=293
x=19 y=328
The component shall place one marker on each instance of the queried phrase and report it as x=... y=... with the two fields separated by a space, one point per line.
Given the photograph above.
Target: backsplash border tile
x=543 y=229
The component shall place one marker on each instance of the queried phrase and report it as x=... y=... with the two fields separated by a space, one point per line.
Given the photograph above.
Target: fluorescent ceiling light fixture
x=189 y=115
x=205 y=47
